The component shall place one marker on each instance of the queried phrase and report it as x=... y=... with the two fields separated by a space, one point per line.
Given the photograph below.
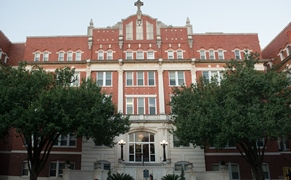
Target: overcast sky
x=22 y=18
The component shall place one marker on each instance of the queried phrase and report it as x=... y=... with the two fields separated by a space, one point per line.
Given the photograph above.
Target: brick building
x=138 y=61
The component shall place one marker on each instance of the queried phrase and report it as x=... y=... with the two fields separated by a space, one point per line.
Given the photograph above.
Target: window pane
x=151 y=78
x=172 y=79
x=152 y=105
x=108 y=79
x=139 y=55
x=139 y=78
x=129 y=78
x=140 y=102
x=180 y=78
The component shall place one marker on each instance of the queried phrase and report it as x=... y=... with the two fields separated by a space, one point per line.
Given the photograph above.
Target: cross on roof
x=138 y=3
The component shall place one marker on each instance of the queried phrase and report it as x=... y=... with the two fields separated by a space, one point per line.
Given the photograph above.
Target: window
x=141 y=147
x=100 y=55
x=183 y=165
x=102 y=164
x=45 y=56
x=151 y=78
x=69 y=56
x=140 y=106
x=1 y=52
x=66 y=140
x=150 y=30
x=36 y=56
x=129 y=106
x=129 y=78
x=178 y=143
x=6 y=59
x=139 y=78
x=176 y=78
x=56 y=168
x=220 y=54
x=76 y=77
x=202 y=54
x=170 y=54
x=208 y=75
x=232 y=167
x=282 y=57
x=109 y=55
x=139 y=30
x=61 y=56
x=150 y=55
x=266 y=171
x=25 y=171
x=128 y=29
x=139 y=55
x=129 y=55
x=179 y=54
x=237 y=54
x=288 y=49
x=104 y=78
x=78 y=56
x=152 y=105
x=211 y=54
x=260 y=142
x=283 y=144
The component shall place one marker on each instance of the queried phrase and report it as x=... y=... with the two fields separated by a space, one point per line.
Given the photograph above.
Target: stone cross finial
x=138 y=4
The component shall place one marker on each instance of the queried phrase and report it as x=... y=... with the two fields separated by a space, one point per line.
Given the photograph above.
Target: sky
x=22 y=18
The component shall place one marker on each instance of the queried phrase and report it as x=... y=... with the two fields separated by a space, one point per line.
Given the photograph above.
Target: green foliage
x=246 y=106
x=42 y=106
x=119 y=176
x=171 y=177
x=182 y=176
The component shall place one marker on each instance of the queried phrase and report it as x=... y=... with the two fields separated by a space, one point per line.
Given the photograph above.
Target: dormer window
x=100 y=55
x=220 y=54
x=170 y=54
x=45 y=56
x=69 y=56
x=61 y=56
x=36 y=56
x=202 y=54
x=179 y=54
x=237 y=54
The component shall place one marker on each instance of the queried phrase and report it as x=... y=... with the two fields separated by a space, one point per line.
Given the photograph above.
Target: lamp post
x=164 y=144
x=121 y=143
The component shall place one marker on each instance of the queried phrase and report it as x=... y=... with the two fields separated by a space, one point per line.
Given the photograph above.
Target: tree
x=119 y=176
x=41 y=106
x=244 y=108
x=171 y=177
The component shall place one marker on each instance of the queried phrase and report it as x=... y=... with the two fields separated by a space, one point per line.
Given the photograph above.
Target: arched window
x=141 y=147
x=37 y=56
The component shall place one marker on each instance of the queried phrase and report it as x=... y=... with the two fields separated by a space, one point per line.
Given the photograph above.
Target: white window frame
x=139 y=54
x=45 y=56
x=283 y=144
x=6 y=58
x=129 y=55
x=61 y=56
x=129 y=78
x=25 y=169
x=69 y=140
x=175 y=76
x=237 y=54
x=151 y=55
x=288 y=49
x=37 y=56
x=70 y=56
x=104 y=78
x=202 y=53
x=78 y=55
x=153 y=79
x=129 y=31
x=139 y=78
x=281 y=54
x=129 y=104
x=170 y=54
x=178 y=166
x=140 y=105
x=100 y=55
x=149 y=31
x=109 y=55
x=266 y=170
x=220 y=54
x=152 y=104
x=218 y=167
x=211 y=74
x=139 y=30
x=179 y=54
x=211 y=54
x=60 y=165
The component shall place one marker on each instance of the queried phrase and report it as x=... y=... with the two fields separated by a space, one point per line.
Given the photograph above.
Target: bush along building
x=138 y=61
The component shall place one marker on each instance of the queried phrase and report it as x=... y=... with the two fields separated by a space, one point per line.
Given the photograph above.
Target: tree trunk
x=258 y=172
x=33 y=175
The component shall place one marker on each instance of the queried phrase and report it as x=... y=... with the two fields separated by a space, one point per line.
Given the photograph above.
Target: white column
x=161 y=92
x=120 y=91
x=88 y=69
x=193 y=75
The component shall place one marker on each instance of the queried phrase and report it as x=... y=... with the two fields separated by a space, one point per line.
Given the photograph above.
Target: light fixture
x=164 y=143
x=121 y=143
